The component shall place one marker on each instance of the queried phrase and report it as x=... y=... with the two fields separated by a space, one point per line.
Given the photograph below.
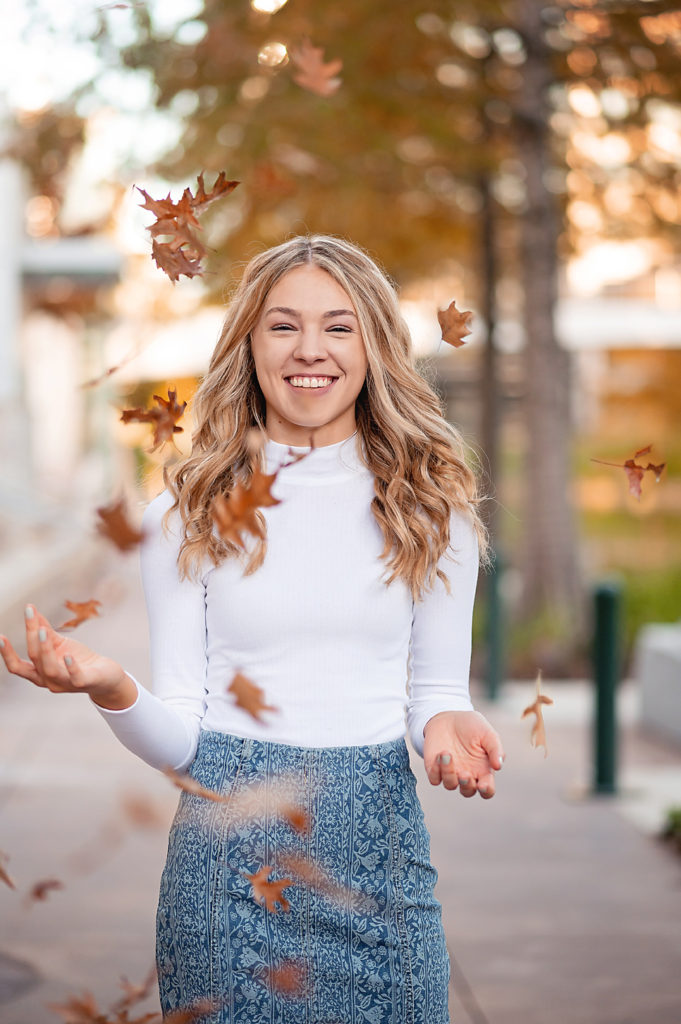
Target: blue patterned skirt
x=352 y=934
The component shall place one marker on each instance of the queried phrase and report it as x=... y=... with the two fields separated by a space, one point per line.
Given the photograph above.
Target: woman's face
x=309 y=358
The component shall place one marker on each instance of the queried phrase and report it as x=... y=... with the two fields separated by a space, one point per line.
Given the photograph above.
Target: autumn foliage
x=636 y=472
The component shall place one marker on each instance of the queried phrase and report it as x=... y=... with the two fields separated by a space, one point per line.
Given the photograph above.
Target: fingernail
x=464 y=782
x=2 y=643
x=484 y=790
x=501 y=762
x=68 y=659
x=42 y=634
x=445 y=758
x=28 y=612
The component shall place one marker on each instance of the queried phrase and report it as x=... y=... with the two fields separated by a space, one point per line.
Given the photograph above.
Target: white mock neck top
x=340 y=655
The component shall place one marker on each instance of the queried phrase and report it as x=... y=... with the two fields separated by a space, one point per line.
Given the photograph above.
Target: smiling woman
x=313 y=345
x=306 y=347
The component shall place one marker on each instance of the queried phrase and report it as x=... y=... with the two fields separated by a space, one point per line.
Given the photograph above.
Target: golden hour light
x=40 y=215
x=584 y=101
x=273 y=54
x=267 y=6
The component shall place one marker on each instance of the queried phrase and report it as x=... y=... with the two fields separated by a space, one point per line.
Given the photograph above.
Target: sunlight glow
x=273 y=54
x=267 y=6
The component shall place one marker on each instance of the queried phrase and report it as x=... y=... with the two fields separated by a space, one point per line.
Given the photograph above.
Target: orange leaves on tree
x=538 y=734
x=4 y=877
x=84 y=610
x=249 y=696
x=115 y=525
x=454 y=324
x=268 y=893
x=635 y=473
x=313 y=74
x=164 y=417
x=178 y=222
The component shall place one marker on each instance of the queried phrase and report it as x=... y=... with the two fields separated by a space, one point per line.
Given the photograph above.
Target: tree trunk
x=550 y=554
x=490 y=372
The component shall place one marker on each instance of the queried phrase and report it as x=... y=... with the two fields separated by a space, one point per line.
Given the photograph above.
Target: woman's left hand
x=461 y=748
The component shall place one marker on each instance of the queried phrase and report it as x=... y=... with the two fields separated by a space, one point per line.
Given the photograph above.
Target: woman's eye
x=282 y=327
x=341 y=327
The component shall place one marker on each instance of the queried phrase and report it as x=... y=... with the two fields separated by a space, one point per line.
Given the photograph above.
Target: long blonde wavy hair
x=416 y=457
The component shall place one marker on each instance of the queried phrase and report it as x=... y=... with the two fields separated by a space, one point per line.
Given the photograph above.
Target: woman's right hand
x=63 y=665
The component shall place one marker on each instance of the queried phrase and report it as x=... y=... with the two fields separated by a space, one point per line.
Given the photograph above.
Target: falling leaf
x=297 y=818
x=80 y=1010
x=234 y=513
x=310 y=872
x=454 y=325
x=134 y=993
x=201 y=1008
x=190 y=785
x=289 y=978
x=314 y=75
x=141 y=811
x=164 y=417
x=116 y=526
x=84 y=610
x=538 y=734
x=249 y=696
x=266 y=892
x=4 y=877
x=634 y=472
x=178 y=221
x=41 y=889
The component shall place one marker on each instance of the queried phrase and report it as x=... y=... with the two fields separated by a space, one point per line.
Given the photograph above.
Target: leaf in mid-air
x=455 y=324
x=40 y=890
x=289 y=978
x=84 y=610
x=634 y=472
x=115 y=525
x=313 y=74
x=266 y=892
x=164 y=417
x=249 y=696
x=538 y=734
x=177 y=222
x=4 y=877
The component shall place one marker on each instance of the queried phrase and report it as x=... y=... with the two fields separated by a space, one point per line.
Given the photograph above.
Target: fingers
x=48 y=667
x=443 y=769
x=16 y=665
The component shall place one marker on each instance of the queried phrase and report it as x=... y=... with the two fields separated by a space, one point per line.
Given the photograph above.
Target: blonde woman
x=352 y=609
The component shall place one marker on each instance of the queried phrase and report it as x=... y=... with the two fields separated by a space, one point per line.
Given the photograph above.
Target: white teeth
x=310 y=382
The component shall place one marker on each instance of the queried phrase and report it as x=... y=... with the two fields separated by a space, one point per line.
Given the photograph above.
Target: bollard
x=607 y=604
x=494 y=629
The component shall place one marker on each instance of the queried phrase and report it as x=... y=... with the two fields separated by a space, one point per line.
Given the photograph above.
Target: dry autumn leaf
x=289 y=978
x=164 y=417
x=84 y=610
x=4 y=877
x=313 y=74
x=313 y=875
x=454 y=325
x=268 y=893
x=116 y=526
x=190 y=785
x=634 y=472
x=538 y=734
x=249 y=696
x=235 y=513
x=178 y=221
x=40 y=890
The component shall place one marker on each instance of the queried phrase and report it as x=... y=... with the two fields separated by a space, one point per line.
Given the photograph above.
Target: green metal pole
x=607 y=604
x=494 y=628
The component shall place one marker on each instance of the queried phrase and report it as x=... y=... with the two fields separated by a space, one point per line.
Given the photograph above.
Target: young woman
x=352 y=608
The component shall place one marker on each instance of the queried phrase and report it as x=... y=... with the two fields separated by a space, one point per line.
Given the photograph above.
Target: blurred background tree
x=477 y=143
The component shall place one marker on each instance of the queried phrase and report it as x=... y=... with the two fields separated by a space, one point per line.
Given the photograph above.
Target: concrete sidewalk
x=557 y=907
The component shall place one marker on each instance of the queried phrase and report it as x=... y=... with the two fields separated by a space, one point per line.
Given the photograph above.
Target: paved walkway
x=558 y=907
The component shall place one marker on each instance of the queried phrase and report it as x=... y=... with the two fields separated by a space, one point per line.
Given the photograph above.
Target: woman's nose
x=310 y=345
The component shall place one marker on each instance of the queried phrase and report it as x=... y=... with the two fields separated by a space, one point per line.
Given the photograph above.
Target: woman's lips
x=311 y=390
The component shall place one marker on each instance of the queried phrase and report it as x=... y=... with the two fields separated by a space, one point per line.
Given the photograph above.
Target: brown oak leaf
x=289 y=978
x=235 y=512
x=164 y=417
x=190 y=785
x=115 y=525
x=313 y=74
x=4 y=877
x=538 y=734
x=80 y=1010
x=312 y=874
x=297 y=818
x=249 y=696
x=41 y=890
x=266 y=892
x=454 y=324
x=84 y=610
x=176 y=221
x=634 y=472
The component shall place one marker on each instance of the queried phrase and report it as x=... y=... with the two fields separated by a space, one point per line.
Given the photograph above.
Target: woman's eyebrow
x=294 y=312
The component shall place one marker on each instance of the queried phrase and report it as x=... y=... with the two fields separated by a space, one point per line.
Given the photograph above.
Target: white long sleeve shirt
x=340 y=655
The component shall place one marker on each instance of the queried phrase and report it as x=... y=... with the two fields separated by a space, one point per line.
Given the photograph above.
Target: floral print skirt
x=339 y=924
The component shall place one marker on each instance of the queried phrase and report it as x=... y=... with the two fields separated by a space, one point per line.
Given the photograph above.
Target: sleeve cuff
x=121 y=711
